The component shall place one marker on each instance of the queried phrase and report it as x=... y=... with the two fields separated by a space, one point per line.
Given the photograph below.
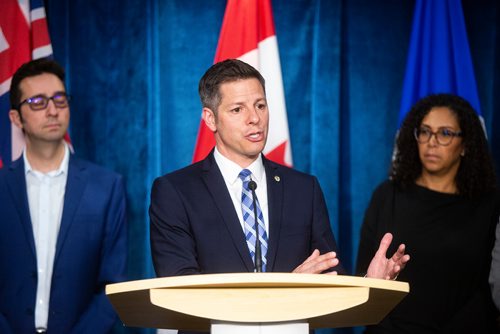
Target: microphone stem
x=258 y=251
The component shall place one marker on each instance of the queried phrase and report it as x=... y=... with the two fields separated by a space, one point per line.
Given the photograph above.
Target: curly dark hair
x=476 y=174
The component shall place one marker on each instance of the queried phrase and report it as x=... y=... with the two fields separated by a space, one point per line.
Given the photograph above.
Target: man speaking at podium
x=202 y=216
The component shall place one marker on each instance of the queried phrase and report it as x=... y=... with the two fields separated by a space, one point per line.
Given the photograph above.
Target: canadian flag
x=248 y=34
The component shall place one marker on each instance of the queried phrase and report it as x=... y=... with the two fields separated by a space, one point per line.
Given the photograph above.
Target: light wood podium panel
x=192 y=302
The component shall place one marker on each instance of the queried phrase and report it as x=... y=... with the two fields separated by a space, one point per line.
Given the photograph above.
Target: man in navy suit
x=198 y=223
x=62 y=220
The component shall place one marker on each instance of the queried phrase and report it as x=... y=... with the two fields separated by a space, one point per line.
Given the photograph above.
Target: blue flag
x=439 y=59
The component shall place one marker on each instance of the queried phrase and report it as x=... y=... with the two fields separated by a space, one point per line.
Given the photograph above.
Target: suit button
x=33 y=274
x=29 y=311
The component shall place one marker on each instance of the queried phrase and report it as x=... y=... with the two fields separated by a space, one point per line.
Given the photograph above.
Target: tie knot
x=245 y=175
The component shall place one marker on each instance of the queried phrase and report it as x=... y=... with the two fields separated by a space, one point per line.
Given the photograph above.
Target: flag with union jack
x=248 y=34
x=23 y=36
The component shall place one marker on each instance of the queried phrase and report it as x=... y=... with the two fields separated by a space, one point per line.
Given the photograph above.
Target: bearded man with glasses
x=62 y=219
x=441 y=199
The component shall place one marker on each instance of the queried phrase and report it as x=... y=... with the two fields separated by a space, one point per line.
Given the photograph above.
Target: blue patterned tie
x=248 y=219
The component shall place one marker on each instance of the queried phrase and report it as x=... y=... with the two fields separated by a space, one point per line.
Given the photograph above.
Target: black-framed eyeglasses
x=443 y=136
x=40 y=102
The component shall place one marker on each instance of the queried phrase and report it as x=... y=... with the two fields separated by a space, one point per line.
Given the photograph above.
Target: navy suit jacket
x=90 y=252
x=195 y=228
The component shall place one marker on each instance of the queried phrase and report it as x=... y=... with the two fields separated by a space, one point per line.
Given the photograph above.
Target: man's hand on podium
x=382 y=267
x=317 y=263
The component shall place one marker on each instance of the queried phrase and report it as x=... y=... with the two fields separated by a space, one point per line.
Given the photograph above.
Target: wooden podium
x=196 y=302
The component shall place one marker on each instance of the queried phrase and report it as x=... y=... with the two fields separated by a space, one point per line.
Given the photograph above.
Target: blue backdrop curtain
x=133 y=69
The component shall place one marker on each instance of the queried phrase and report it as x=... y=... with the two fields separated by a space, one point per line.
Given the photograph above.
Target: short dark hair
x=225 y=71
x=475 y=175
x=31 y=69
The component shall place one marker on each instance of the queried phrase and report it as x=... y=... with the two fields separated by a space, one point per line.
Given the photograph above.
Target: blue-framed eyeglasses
x=40 y=102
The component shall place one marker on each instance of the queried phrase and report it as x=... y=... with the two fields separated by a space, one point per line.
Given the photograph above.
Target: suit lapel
x=17 y=186
x=75 y=185
x=217 y=187
x=275 y=205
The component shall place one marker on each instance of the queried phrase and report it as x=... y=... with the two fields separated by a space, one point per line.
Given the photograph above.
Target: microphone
x=258 y=252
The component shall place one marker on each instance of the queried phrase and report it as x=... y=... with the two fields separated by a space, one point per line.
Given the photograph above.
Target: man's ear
x=209 y=118
x=15 y=118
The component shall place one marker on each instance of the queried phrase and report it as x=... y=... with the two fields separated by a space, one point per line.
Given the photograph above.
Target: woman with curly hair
x=441 y=201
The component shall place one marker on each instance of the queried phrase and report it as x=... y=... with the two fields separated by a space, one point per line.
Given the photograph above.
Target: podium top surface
x=192 y=302
x=235 y=280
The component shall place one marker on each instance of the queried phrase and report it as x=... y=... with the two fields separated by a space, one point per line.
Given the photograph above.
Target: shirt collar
x=63 y=167
x=230 y=170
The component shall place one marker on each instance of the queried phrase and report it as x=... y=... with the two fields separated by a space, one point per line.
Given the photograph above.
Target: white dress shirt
x=230 y=172
x=45 y=199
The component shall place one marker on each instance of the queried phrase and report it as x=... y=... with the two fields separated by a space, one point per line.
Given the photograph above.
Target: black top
x=449 y=239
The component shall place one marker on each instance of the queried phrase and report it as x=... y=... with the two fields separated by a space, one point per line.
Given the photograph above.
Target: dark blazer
x=195 y=228
x=90 y=253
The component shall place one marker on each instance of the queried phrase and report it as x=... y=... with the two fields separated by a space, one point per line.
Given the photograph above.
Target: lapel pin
x=277 y=178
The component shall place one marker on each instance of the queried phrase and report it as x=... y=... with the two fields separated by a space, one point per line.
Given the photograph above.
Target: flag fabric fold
x=439 y=59
x=248 y=34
